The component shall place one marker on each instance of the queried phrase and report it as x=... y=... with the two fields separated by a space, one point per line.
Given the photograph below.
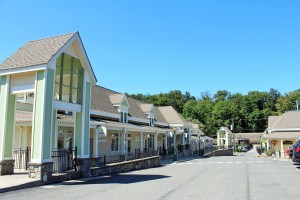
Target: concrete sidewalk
x=19 y=180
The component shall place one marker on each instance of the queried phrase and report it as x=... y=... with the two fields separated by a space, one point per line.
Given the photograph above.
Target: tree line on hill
x=249 y=112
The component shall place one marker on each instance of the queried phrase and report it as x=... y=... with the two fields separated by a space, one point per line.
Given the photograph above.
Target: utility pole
x=232 y=130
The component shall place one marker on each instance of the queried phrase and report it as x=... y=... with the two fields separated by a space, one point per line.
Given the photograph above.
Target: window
x=68 y=79
x=115 y=142
x=124 y=117
x=151 y=122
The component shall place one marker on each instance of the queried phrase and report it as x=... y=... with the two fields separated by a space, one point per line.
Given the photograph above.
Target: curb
x=22 y=186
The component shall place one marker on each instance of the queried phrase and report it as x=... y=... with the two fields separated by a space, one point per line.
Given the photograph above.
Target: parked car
x=296 y=152
x=291 y=149
x=246 y=148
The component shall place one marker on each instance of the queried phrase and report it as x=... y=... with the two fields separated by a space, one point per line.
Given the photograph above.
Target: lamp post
x=174 y=142
x=199 y=145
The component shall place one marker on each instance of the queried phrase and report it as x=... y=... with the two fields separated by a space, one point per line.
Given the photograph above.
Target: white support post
x=281 y=148
x=122 y=144
x=166 y=141
x=141 y=141
x=95 y=143
x=155 y=141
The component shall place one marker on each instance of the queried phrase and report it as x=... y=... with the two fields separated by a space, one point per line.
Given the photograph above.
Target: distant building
x=282 y=132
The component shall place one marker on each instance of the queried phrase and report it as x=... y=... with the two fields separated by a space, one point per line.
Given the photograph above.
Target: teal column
x=42 y=119
x=7 y=118
x=82 y=125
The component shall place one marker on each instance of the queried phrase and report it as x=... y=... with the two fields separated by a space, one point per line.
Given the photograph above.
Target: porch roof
x=131 y=127
x=283 y=135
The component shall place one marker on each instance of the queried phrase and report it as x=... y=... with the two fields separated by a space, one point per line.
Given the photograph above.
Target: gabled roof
x=100 y=100
x=225 y=129
x=146 y=108
x=283 y=135
x=135 y=109
x=40 y=52
x=197 y=130
x=248 y=135
x=116 y=99
x=36 y=52
x=172 y=116
x=272 y=120
x=288 y=120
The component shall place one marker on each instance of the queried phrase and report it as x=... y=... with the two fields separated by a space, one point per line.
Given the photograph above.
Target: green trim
x=7 y=116
x=38 y=115
x=54 y=119
x=87 y=118
x=10 y=125
x=78 y=132
x=43 y=115
x=48 y=114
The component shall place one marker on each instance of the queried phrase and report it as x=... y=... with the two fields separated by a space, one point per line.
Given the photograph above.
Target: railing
x=115 y=158
x=22 y=158
x=64 y=159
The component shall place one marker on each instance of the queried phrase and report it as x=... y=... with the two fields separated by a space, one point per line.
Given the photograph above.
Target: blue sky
x=161 y=45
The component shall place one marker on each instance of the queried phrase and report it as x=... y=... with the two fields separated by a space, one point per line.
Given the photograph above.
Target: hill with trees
x=250 y=112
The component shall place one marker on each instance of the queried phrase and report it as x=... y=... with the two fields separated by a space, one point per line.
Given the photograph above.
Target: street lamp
x=199 y=145
x=174 y=142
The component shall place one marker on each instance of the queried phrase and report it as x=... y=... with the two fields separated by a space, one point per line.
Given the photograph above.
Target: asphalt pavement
x=243 y=176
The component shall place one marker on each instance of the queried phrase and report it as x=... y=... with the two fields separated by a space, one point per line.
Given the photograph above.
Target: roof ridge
x=52 y=37
x=108 y=89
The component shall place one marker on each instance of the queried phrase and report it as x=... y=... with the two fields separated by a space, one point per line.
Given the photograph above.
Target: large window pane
x=56 y=92
x=67 y=62
x=65 y=93
x=68 y=79
x=75 y=81
x=74 y=95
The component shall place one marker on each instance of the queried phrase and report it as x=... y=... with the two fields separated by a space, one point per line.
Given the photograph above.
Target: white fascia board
x=137 y=120
x=23 y=69
x=176 y=125
x=93 y=77
x=161 y=124
x=64 y=49
x=22 y=89
x=104 y=114
x=284 y=129
x=60 y=105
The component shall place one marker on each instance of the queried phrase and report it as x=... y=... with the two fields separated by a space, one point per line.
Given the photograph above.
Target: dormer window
x=151 y=122
x=124 y=117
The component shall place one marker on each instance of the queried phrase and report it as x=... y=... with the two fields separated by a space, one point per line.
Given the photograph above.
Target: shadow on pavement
x=119 y=179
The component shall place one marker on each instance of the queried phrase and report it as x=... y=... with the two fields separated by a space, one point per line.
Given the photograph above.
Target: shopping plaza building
x=50 y=105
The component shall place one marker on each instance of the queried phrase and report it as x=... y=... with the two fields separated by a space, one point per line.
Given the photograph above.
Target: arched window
x=68 y=79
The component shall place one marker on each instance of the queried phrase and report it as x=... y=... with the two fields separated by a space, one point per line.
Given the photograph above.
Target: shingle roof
x=226 y=129
x=289 y=119
x=135 y=109
x=36 y=52
x=116 y=98
x=247 y=135
x=159 y=116
x=146 y=107
x=283 y=135
x=100 y=100
x=172 y=116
